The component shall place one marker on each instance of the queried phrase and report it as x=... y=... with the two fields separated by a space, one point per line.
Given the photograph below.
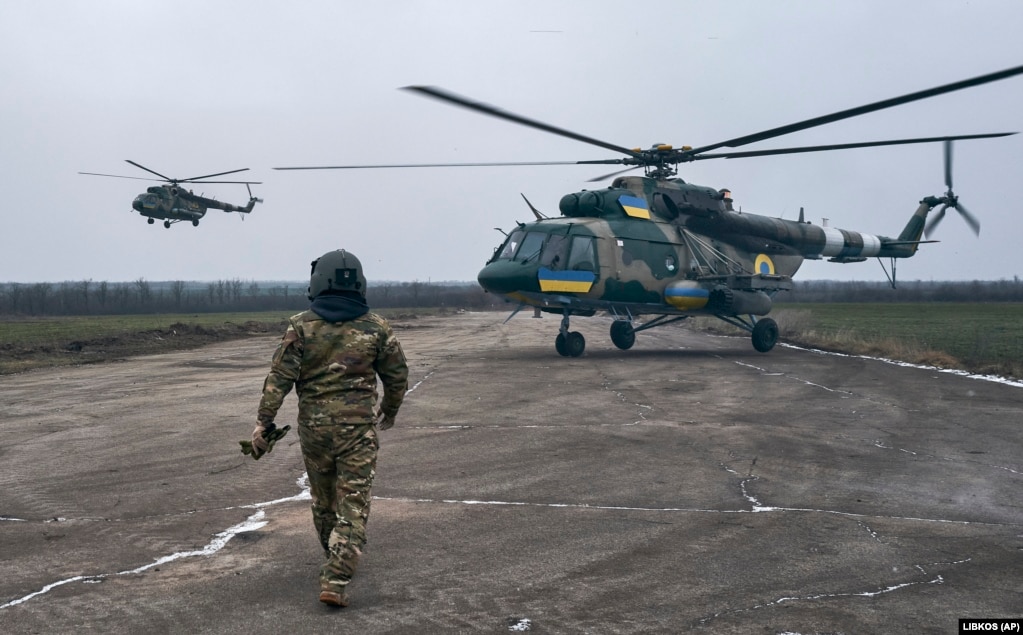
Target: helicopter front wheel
x=622 y=334
x=195 y=223
x=150 y=220
x=765 y=335
x=571 y=345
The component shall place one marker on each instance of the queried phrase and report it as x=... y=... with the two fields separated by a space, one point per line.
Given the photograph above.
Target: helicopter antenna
x=536 y=212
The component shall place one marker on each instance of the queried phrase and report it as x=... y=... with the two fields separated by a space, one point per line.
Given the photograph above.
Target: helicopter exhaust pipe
x=734 y=302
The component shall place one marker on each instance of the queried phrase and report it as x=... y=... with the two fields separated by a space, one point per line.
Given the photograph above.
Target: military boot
x=334 y=598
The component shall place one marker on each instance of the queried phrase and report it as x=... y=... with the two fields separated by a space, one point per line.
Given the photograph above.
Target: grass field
x=27 y=343
x=981 y=338
x=60 y=331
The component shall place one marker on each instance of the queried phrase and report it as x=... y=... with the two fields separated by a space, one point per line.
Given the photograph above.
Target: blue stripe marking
x=632 y=201
x=566 y=276
x=687 y=293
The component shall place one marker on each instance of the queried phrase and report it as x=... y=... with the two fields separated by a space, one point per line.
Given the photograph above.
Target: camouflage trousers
x=341 y=462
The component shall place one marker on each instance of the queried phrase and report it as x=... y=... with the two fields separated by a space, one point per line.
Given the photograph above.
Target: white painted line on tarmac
x=938 y=579
x=952 y=371
x=794 y=378
x=756 y=508
x=252 y=523
x=419 y=383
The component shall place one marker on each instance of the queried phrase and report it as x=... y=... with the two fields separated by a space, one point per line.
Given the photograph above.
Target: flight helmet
x=337 y=270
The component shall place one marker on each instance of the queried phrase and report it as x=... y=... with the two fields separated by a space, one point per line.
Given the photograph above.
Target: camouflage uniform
x=334 y=363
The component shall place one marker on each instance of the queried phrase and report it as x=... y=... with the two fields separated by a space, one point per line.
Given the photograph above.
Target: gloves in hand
x=259 y=442
x=263 y=440
x=384 y=422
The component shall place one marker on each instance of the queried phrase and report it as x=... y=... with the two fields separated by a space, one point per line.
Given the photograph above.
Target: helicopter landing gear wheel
x=195 y=223
x=166 y=224
x=571 y=345
x=150 y=221
x=765 y=335
x=622 y=334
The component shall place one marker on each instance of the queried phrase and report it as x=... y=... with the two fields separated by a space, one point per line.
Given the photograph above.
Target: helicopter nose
x=136 y=205
x=506 y=276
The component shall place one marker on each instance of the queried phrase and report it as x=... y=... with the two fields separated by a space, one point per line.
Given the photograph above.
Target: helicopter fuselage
x=658 y=245
x=649 y=246
x=175 y=204
x=170 y=203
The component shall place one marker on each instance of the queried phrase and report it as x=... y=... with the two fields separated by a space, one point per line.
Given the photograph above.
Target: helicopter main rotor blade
x=611 y=174
x=223 y=182
x=846 y=146
x=150 y=171
x=238 y=182
x=195 y=179
x=860 y=110
x=487 y=109
x=446 y=165
x=119 y=176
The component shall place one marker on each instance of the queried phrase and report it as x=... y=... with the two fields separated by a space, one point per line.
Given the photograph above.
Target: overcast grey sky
x=189 y=88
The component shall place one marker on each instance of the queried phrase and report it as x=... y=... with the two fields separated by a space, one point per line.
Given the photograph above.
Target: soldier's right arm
x=393 y=370
x=284 y=372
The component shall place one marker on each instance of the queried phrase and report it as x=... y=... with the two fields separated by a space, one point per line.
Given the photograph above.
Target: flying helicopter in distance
x=175 y=204
x=655 y=245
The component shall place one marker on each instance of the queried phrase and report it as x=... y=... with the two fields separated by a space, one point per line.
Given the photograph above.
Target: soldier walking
x=333 y=353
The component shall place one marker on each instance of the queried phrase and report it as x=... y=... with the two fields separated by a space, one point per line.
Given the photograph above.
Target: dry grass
x=932 y=336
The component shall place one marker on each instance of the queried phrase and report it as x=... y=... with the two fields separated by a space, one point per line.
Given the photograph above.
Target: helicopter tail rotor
x=951 y=200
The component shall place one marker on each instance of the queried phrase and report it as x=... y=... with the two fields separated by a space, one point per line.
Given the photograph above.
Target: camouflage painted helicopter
x=175 y=204
x=658 y=246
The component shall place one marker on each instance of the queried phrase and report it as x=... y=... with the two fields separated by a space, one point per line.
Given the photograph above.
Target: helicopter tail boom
x=227 y=207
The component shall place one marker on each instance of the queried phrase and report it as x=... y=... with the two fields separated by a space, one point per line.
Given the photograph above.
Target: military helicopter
x=658 y=246
x=175 y=204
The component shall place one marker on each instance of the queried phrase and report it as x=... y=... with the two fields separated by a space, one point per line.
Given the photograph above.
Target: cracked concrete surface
x=687 y=485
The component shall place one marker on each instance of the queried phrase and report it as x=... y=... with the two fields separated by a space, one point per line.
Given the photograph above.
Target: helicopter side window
x=553 y=255
x=660 y=258
x=510 y=245
x=582 y=257
x=531 y=246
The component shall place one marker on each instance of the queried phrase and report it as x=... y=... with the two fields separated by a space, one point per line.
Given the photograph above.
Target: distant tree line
x=905 y=291
x=86 y=297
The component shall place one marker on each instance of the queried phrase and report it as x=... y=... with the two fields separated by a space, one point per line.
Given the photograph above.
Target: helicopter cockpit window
x=512 y=244
x=553 y=255
x=582 y=256
x=531 y=245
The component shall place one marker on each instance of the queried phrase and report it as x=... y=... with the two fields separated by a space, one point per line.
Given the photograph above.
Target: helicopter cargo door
x=568 y=264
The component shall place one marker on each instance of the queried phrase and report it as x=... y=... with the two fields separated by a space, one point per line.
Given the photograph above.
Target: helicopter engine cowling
x=726 y=301
x=597 y=204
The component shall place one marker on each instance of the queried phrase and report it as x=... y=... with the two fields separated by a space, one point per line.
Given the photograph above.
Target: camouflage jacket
x=334 y=368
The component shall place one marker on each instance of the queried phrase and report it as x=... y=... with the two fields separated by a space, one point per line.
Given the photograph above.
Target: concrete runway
x=690 y=484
